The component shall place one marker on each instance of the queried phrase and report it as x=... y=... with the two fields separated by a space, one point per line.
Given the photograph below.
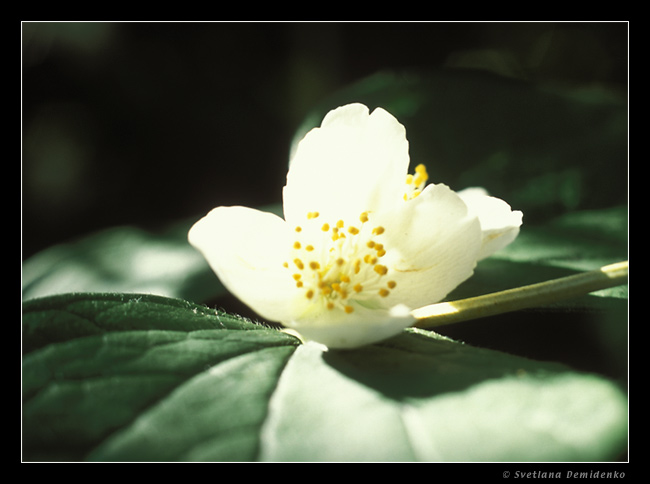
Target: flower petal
x=438 y=241
x=246 y=248
x=353 y=163
x=499 y=223
x=351 y=331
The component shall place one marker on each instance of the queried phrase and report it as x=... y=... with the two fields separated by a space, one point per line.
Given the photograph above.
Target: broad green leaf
x=143 y=378
x=122 y=259
x=94 y=363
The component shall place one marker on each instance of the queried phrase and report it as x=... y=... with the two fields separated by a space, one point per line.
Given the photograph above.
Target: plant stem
x=522 y=297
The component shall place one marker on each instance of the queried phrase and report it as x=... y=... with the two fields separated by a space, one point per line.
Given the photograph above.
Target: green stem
x=522 y=297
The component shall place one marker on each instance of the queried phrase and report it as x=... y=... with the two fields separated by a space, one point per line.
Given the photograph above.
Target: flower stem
x=522 y=297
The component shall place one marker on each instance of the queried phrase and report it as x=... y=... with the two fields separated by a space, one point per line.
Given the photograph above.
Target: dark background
x=145 y=123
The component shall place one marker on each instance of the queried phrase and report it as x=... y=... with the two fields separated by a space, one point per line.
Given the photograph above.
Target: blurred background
x=143 y=123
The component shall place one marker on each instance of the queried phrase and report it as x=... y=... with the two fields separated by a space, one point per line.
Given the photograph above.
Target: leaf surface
x=163 y=379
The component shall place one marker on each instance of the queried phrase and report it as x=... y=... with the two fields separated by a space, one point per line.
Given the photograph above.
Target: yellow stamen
x=384 y=292
x=314 y=265
x=309 y=248
x=325 y=227
x=363 y=217
x=358 y=288
x=391 y=284
x=381 y=270
x=348 y=309
x=299 y=264
x=296 y=245
x=378 y=230
x=309 y=294
x=422 y=175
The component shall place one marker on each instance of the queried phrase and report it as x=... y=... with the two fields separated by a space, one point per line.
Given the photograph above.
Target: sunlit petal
x=499 y=223
x=354 y=162
x=246 y=249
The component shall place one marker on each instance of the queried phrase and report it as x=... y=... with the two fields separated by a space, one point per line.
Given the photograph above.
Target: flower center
x=336 y=264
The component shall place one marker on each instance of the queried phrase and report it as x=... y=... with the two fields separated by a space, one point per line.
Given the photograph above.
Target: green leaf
x=144 y=378
x=95 y=363
x=123 y=259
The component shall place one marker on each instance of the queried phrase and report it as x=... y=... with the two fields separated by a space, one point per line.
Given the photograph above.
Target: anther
x=299 y=264
x=309 y=248
x=368 y=259
x=314 y=265
x=384 y=292
x=363 y=217
x=353 y=230
x=325 y=227
x=378 y=230
x=296 y=245
x=381 y=270
x=298 y=229
x=309 y=294
x=312 y=215
x=348 y=309
x=340 y=224
x=391 y=284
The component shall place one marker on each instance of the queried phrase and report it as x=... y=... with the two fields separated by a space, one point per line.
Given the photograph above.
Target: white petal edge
x=438 y=240
x=499 y=223
x=362 y=328
x=354 y=162
x=246 y=249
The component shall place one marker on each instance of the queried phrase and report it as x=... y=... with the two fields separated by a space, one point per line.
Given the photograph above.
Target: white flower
x=361 y=243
